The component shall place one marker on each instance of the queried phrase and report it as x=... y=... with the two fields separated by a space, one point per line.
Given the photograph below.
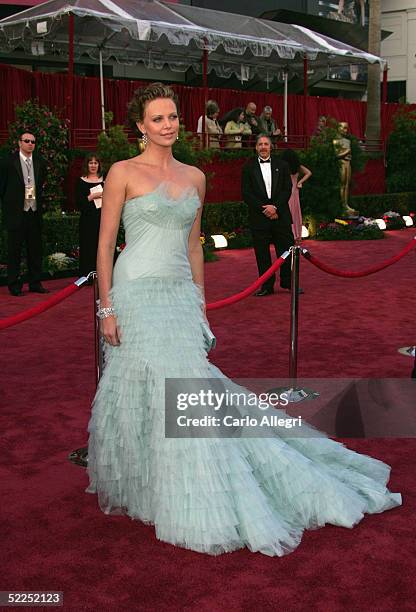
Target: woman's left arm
x=306 y=175
x=195 y=252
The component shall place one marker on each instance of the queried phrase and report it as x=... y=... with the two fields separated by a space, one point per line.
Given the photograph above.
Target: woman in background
x=296 y=169
x=89 y=190
x=236 y=128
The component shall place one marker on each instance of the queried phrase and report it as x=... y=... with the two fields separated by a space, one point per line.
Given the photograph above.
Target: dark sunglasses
x=27 y=140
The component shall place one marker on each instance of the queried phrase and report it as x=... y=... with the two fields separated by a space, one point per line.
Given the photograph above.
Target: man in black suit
x=252 y=119
x=266 y=189
x=22 y=176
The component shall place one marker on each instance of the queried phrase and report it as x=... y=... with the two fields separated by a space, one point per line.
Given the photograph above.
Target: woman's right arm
x=306 y=175
x=113 y=198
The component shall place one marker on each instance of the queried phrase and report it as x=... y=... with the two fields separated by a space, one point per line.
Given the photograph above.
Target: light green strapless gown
x=209 y=495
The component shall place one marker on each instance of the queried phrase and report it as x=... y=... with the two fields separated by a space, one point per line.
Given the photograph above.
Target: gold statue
x=343 y=150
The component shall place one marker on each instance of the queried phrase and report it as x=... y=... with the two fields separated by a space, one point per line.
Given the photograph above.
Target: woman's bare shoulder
x=194 y=174
x=194 y=177
x=123 y=166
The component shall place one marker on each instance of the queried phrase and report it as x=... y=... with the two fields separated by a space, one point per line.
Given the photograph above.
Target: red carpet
x=55 y=537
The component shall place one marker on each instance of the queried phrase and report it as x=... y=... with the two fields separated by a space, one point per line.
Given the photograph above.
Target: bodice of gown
x=157 y=228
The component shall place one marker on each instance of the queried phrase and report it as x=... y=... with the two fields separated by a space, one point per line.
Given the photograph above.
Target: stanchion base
x=79 y=457
x=409 y=351
x=295 y=394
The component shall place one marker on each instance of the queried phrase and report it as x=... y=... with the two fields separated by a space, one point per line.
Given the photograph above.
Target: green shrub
x=401 y=152
x=184 y=149
x=375 y=205
x=320 y=195
x=331 y=133
x=60 y=233
x=394 y=223
x=208 y=248
x=239 y=239
x=51 y=142
x=334 y=231
x=113 y=144
x=224 y=217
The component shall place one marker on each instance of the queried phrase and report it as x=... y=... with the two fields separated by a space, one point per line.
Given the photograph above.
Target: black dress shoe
x=263 y=292
x=38 y=289
x=16 y=292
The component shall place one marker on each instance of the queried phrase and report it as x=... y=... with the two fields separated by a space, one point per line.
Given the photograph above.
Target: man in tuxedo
x=22 y=176
x=266 y=189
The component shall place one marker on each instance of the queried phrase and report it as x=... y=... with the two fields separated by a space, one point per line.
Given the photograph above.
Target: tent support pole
x=102 y=92
x=205 y=86
x=286 y=79
x=70 y=80
x=305 y=99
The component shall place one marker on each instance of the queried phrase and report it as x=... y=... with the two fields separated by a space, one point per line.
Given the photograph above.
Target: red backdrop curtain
x=16 y=86
x=20 y=85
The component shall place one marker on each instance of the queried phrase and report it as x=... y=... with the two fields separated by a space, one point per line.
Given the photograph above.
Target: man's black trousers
x=29 y=233
x=281 y=237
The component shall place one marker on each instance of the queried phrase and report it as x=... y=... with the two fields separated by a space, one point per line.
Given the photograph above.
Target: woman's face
x=241 y=116
x=93 y=166
x=215 y=115
x=160 y=122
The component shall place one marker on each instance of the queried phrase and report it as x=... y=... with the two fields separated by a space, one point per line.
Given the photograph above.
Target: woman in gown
x=88 y=202
x=296 y=168
x=211 y=495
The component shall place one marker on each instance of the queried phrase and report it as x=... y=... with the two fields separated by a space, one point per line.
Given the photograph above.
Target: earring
x=177 y=136
x=144 y=139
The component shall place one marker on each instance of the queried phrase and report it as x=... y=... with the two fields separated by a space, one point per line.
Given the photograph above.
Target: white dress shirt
x=266 y=170
x=29 y=178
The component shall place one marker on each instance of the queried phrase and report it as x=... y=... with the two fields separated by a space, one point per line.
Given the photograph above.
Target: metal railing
x=86 y=139
x=228 y=142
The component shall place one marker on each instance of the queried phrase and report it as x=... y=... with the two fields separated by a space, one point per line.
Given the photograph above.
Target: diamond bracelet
x=103 y=313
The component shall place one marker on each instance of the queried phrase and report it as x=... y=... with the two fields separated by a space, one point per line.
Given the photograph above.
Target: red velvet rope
x=249 y=290
x=367 y=271
x=39 y=308
x=61 y=295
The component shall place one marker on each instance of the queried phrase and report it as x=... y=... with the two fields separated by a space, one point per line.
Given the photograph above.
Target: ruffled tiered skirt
x=211 y=495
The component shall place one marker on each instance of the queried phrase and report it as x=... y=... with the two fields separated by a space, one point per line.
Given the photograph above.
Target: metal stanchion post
x=294 y=393
x=294 y=314
x=99 y=355
x=80 y=455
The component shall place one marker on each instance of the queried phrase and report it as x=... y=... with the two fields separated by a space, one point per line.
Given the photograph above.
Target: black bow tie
x=264 y=161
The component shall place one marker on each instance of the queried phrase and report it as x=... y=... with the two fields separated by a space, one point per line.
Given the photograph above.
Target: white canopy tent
x=159 y=34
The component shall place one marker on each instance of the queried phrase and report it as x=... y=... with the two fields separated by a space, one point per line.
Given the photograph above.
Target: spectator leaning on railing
x=270 y=126
x=236 y=128
x=252 y=119
x=213 y=130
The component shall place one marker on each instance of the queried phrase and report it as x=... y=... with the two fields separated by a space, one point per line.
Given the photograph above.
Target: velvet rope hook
x=351 y=274
x=45 y=305
x=249 y=290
